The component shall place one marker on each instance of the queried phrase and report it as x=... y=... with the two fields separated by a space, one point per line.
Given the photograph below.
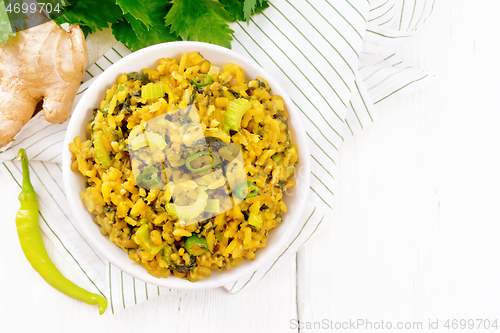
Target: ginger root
x=42 y=63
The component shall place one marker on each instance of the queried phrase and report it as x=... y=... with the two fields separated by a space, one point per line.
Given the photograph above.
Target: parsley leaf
x=136 y=35
x=203 y=20
x=136 y=9
x=5 y=29
x=141 y=23
x=14 y=15
x=251 y=7
x=235 y=7
x=248 y=7
x=95 y=15
x=17 y=20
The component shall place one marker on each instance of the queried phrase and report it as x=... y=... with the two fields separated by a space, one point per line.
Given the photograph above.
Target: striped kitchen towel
x=336 y=61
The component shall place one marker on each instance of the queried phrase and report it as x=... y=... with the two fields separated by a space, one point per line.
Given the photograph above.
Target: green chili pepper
x=203 y=168
x=198 y=80
x=195 y=245
x=148 y=176
x=246 y=190
x=34 y=250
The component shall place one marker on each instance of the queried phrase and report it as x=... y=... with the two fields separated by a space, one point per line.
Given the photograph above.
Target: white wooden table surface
x=416 y=234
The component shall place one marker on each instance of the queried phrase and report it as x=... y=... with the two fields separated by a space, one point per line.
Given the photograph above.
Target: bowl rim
x=76 y=205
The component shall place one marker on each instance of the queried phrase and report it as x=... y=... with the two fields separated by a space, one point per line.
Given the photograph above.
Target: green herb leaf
x=248 y=8
x=136 y=35
x=137 y=10
x=203 y=20
x=95 y=15
x=252 y=7
x=141 y=23
x=5 y=29
x=10 y=21
x=236 y=8
x=124 y=32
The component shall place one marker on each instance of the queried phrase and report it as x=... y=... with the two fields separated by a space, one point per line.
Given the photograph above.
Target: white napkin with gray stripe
x=336 y=61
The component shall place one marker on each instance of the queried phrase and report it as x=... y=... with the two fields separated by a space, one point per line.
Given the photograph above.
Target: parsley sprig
x=141 y=23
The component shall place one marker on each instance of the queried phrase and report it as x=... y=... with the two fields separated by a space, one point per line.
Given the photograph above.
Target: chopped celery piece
x=152 y=91
x=213 y=70
x=255 y=219
x=149 y=139
x=213 y=206
x=189 y=212
x=143 y=239
x=166 y=253
x=235 y=112
x=170 y=208
x=101 y=152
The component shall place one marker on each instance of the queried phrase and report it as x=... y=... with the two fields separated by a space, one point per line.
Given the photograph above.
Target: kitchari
x=186 y=166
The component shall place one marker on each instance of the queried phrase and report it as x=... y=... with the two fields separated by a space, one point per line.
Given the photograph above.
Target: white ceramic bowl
x=74 y=182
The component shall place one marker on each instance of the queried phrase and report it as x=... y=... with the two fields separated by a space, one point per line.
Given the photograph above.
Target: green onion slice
x=195 y=245
x=198 y=81
x=246 y=190
x=148 y=176
x=203 y=168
